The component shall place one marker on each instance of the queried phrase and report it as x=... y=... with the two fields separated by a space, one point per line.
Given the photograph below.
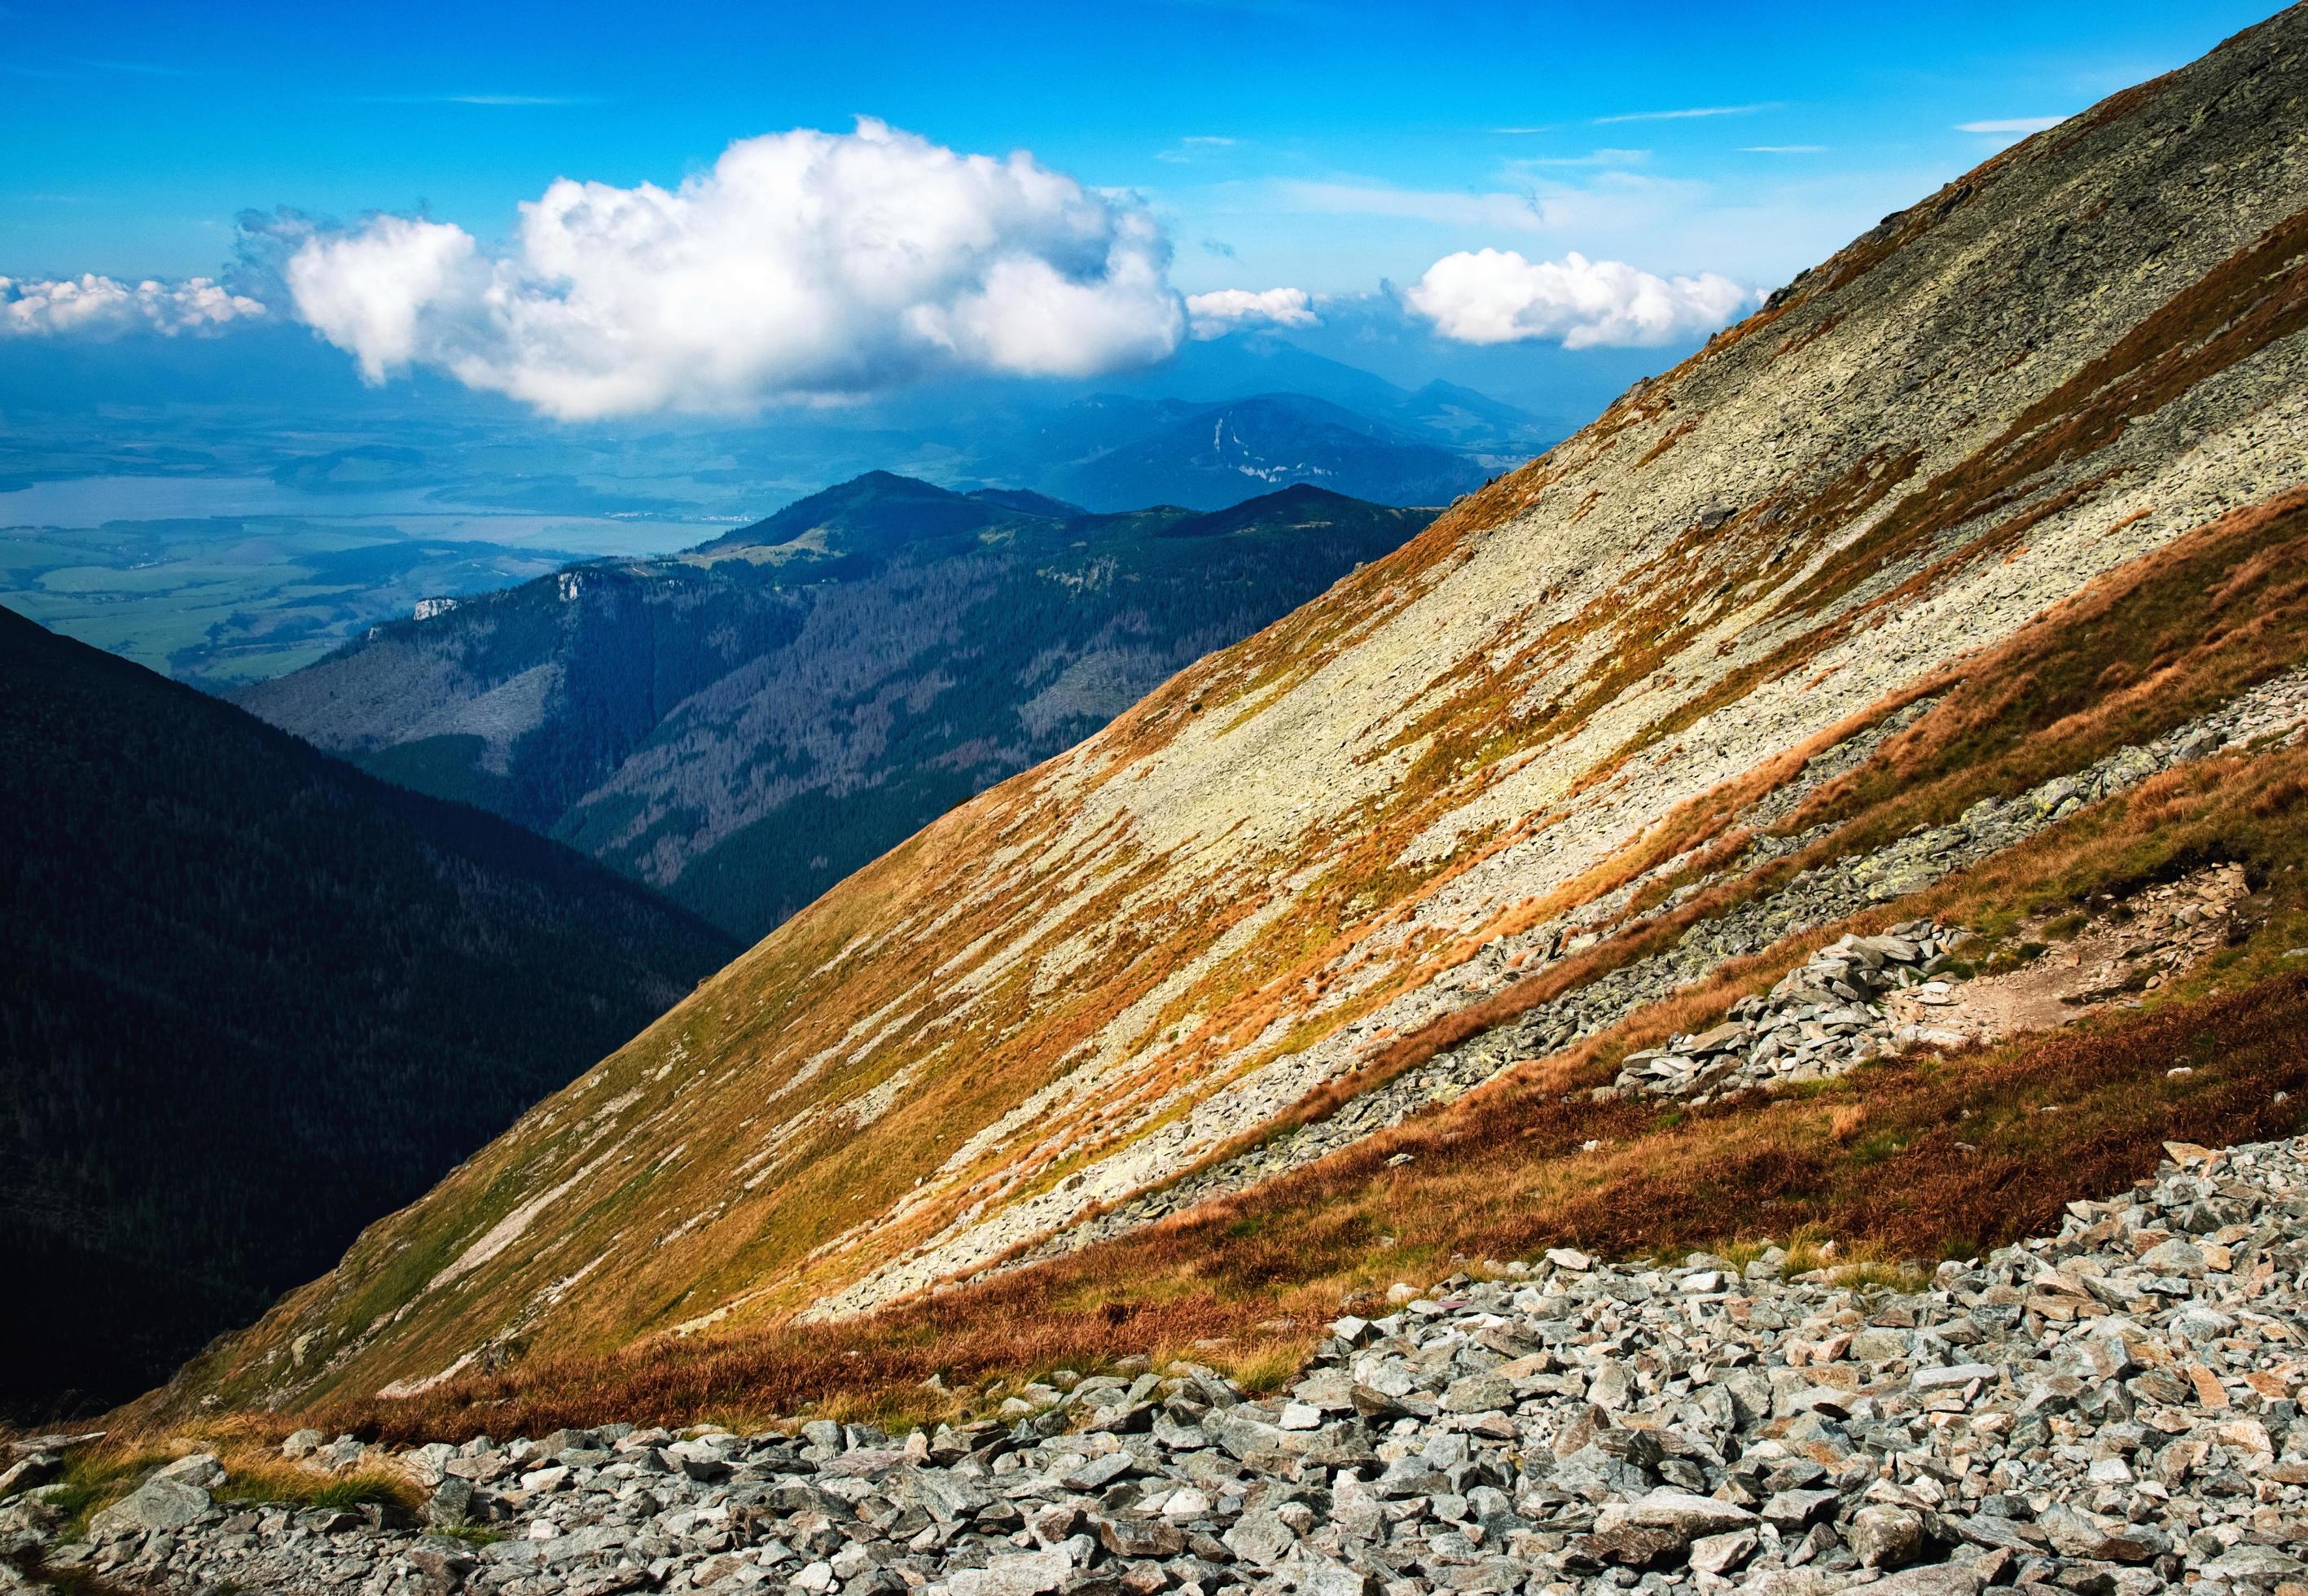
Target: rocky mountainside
x=1565 y=1426
x=1957 y=584
x=255 y=1001
x=743 y=727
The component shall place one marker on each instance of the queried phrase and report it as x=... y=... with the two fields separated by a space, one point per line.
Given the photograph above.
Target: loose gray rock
x=2064 y=1414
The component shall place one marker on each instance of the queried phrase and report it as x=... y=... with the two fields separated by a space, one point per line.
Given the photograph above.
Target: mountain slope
x=877 y=514
x=255 y=999
x=743 y=727
x=1415 y=808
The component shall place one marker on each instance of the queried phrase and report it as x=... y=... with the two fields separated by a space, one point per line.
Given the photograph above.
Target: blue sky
x=1324 y=148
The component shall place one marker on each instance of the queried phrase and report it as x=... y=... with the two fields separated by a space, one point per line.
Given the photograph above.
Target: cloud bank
x=804 y=265
x=1213 y=314
x=1496 y=296
x=89 y=305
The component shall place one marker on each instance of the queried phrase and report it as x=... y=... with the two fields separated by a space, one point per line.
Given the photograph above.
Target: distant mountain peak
x=1286 y=510
x=875 y=513
x=1209 y=456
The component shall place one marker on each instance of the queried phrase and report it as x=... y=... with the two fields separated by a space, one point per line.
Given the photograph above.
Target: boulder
x=156 y=1506
x=1885 y=1536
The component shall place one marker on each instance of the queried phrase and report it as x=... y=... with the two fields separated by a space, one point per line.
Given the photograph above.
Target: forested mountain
x=254 y=999
x=743 y=725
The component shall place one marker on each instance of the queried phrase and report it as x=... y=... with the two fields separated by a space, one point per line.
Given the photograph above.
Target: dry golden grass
x=1917 y=1157
x=2157 y=641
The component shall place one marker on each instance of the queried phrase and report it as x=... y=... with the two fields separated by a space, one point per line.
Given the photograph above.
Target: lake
x=95 y=500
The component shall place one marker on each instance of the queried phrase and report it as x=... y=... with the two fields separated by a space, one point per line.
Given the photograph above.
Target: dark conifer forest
x=254 y=998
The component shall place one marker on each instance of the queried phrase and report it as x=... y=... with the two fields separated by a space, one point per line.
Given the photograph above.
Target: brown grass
x=1912 y=1158
x=2153 y=644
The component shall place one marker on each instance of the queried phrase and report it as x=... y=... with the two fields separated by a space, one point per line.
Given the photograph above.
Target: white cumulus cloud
x=1220 y=312
x=90 y=305
x=804 y=265
x=367 y=291
x=1496 y=296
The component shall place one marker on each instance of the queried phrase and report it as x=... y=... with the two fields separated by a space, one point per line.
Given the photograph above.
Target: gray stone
x=2082 y=1535
x=1932 y=1579
x=1884 y=1537
x=451 y=1503
x=1015 y=1573
x=1324 y=1576
x=1140 y=1538
x=1725 y=1553
x=26 y=1472
x=1097 y=1472
x=2263 y=1564
x=1792 y=1511
x=949 y=1498
x=1261 y=1538
x=1686 y=1514
x=1953 y=1374
x=197 y=1468
x=157 y=1504
x=1478 y=1394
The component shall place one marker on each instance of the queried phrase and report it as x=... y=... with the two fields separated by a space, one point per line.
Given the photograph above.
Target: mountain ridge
x=1272 y=440
x=743 y=726
x=856 y=514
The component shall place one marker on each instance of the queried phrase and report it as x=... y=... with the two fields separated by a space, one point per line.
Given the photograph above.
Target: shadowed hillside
x=254 y=999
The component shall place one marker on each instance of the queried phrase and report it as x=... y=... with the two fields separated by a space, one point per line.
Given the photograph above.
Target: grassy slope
x=1918 y=1157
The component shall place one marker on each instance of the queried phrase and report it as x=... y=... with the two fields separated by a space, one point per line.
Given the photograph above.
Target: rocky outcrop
x=2114 y=1408
x=1820 y=1020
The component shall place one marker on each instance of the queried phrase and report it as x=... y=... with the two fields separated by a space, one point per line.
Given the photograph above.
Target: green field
x=222 y=601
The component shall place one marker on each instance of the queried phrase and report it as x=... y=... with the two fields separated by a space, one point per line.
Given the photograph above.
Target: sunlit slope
x=1377 y=810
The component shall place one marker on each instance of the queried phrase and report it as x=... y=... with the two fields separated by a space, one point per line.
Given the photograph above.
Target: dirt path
x=2135 y=947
